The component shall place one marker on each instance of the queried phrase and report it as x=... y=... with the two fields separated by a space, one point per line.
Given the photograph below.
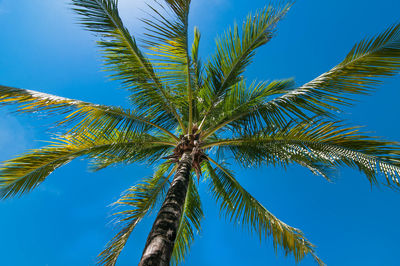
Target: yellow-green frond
x=138 y=201
x=83 y=115
x=167 y=40
x=124 y=58
x=235 y=52
x=240 y=206
x=320 y=146
x=359 y=72
x=24 y=173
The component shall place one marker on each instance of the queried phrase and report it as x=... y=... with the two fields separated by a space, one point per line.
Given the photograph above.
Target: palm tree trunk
x=160 y=242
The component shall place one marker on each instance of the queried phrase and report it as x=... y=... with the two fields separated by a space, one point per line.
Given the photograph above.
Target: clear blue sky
x=66 y=220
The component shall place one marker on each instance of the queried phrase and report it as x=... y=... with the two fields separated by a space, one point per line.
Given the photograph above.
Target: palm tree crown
x=207 y=111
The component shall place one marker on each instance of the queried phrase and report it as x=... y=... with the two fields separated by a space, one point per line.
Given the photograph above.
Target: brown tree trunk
x=160 y=242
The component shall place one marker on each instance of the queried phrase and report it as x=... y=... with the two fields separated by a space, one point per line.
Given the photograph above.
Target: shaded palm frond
x=191 y=218
x=124 y=58
x=319 y=143
x=22 y=174
x=234 y=53
x=82 y=115
x=240 y=206
x=358 y=73
x=140 y=200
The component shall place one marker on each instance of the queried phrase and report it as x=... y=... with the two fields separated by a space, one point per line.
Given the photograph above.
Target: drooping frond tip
x=82 y=115
x=137 y=201
x=359 y=73
x=240 y=207
x=22 y=174
x=318 y=145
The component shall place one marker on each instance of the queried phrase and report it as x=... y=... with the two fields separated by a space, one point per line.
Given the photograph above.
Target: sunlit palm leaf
x=368 y=60
x=358 y=73
x=82 y=114
x=24 y=173
x=167 y=38
x=234 y=53
x=240 y=206
x=197 y=74
x=123 y=56
x=197 y=66
x=319 y=143
x=140 y=200
x=191 y=217
x=240 y=109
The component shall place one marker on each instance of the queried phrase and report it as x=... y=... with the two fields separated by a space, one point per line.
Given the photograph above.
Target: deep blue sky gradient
x=65 y=221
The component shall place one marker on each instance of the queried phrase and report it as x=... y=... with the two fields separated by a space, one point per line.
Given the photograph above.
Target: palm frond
x=140 y=200
x=358 y=73
x=167 y=39
x=317 y=144
x=82 y=115
x=124 y=58
x=240 y=206
x=197 y=66
x=241 y=108
x=234 y=53
x=197 y=73
x=191 y=217
x=22 y=174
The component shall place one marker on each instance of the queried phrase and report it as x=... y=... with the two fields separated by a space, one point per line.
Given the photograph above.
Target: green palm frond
x=241 y=108
x=319 y=143
x=234 y=53
x=34 y=101
x=358 y=73
x=140 y=200
x=240 y=206
x=107 y=119
x=191 y=217
x=197 y=66
x=22 y=174
x=197 y=73
x=82 y=115
x=167 y=38
x=124 y=58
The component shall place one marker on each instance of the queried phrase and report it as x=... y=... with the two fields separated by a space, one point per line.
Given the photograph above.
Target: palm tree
x=187 y=117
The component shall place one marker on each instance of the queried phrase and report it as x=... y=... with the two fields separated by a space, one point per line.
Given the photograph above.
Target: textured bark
x=160 y=242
